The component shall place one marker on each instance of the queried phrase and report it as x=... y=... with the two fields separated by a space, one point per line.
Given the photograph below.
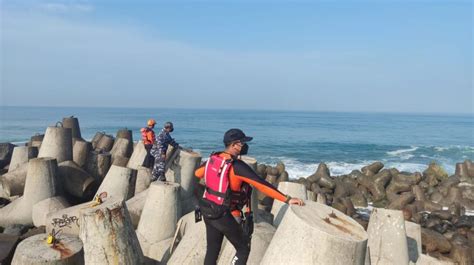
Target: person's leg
x=156 y=170
x=233 y=232
x=214 y=242
x=161 y=169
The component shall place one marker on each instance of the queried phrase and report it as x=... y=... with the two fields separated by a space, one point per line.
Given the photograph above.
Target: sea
x=300 y=139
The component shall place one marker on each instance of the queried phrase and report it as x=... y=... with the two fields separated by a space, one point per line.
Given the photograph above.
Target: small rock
x=434 y=241
x=435 y=170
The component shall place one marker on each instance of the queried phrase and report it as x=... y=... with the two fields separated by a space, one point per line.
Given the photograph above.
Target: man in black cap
x=227 y=218
x=159 y=149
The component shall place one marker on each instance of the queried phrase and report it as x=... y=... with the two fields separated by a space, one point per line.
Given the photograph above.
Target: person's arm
x=172 y=141
x=243 y=172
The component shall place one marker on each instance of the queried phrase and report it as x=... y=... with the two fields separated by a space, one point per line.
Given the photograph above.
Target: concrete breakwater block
x=105 y=143
x=387 y=237
x=13 y=182
x=160 y=214
x=21 y=155
x=117 y=185
x=413 y=232
x=98 y=164
x=41 y=183
x=46 y=206
x=160 y=251
x=73 y=123
x=80 y=150
x=135 y=206
x=316 y=234
x=57 y=143
x=36 y=251
x=6 y=151
x=181 y=171
x=279 y=208
x=191 y=249
x=261 y=238
x=138 y=156
x=122 y=147
x=36 y=140
x=76 y=181
x=108 y=235
x=143 y=179
x=95 y=140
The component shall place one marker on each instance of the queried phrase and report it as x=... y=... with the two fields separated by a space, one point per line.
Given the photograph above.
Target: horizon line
x=250 y=109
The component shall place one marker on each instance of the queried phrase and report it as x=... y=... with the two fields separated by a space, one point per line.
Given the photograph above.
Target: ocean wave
x=297 y=169
x=402 y=152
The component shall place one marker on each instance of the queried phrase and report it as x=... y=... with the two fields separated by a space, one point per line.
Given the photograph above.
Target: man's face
x=237 y=147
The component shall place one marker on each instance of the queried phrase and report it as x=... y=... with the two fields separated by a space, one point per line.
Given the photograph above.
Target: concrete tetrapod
x=117 y=185
x=122 y=148
x=21 y=155
x=138 y=156
x=13 y=182
x=387 y=237
x=73 y=123
x=143 y=179
x=57 y=143
x=105 y=143
x=98 y=164
x=36 y=140
x=95 y=140
x=108 y=235
x=261 y=238
x=316 y=234
x=289 y=188
x=77 y=181
x=80 y=150
x=135 y=206
x=181 y=171
x=191 y=249
x=35 y=251
x=413 y=231
x=46 y=206
x=160 y=214
x=41 y=183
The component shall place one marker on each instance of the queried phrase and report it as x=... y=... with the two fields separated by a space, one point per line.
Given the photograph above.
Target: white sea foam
x=297 y=169
x=402 y=152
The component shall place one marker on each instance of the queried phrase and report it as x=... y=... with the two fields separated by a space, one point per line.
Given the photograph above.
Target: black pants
x=226 y=226
x=149 y=159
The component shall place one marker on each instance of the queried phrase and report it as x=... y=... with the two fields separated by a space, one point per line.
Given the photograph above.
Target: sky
x=371 y=56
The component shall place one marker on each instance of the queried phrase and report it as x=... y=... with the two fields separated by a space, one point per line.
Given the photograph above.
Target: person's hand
x=296 y=201
x=163 y=156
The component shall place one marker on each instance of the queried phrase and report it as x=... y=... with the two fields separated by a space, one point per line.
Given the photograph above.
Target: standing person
x=148 y=138
x=159 y=151
x=227 y=191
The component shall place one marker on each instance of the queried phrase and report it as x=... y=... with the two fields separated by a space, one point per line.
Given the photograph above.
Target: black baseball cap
x=236 y=135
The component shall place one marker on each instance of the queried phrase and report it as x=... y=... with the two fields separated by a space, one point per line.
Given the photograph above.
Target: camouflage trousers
x=158 y=172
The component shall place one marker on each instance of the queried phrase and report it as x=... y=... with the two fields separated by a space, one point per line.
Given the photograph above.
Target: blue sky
x=385 y=56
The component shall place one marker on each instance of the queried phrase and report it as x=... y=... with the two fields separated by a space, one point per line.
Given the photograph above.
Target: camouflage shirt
x=163 y=139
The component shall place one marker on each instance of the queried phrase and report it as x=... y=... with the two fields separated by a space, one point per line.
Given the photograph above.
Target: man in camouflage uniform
x=163 y=139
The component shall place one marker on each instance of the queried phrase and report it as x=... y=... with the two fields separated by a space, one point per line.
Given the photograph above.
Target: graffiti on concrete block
x=65 y=221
